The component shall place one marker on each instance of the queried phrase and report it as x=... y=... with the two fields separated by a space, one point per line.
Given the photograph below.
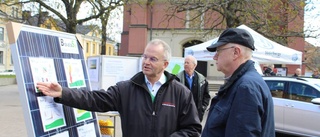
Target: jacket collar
x=243 y=68
x=139 y=78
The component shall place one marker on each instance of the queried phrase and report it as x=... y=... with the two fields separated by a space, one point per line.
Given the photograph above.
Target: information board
x=106 y=71
x=42 y=55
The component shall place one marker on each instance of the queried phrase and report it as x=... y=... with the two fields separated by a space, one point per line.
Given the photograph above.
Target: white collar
x=162 y=79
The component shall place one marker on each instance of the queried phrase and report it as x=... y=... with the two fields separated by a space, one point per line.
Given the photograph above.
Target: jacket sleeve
x=245 y=113
x=206 y=96
x=188 y=122
x=100 y=101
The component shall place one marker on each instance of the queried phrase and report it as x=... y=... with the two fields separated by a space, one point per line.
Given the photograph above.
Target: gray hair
x=166 y=48
x=247 y=52
x=194 y=60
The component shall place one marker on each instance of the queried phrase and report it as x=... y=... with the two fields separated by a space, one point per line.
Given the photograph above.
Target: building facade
x=145 y=21
x=7 y=13
x=89 y=36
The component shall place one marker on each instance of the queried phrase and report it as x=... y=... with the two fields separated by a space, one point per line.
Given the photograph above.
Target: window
x=1 y=57
x=109 y=51
x=94 y=49
x=1 y=34
x=295 y=88
x=302 y=92
x=276 y=88
x=17 y=13
x=87 y=48
x=194 y=19
x=310 y=92
x=12 y=11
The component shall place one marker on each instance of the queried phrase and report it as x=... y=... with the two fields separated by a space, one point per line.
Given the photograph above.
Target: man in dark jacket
x=197 y=84
x=151 y=104
x=243 y=106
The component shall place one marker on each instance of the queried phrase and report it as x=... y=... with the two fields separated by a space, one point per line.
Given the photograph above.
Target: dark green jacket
x=203 y=96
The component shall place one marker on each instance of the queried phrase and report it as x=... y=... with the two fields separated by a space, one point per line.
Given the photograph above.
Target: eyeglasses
x=151 y=59
x=220 y=50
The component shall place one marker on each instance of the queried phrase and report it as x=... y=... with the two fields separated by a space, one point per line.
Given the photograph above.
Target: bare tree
x=312 y=57
x=104 y=18
x=99 y=9
x=72 y=8
x=271 y=19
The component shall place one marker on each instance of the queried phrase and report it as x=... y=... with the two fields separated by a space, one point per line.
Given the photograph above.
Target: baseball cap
x=233 y=35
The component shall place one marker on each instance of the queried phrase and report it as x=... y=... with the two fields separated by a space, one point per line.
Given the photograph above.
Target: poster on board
x=42 y=70
x=282 y=71
x=94 y=68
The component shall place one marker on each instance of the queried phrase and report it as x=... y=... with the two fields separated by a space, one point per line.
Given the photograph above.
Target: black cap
x=233 y=35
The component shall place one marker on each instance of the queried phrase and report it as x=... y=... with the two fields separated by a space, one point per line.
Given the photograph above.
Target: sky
x=312 y=18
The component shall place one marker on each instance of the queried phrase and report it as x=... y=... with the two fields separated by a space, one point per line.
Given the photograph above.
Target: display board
x=42 y=55
x=283 y=71
x=106 y=71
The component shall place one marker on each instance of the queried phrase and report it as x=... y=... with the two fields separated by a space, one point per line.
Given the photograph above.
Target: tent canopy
x=266 y=52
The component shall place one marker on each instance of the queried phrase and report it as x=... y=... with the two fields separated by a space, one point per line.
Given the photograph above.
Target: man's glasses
x=151 y=59
x=220 y=50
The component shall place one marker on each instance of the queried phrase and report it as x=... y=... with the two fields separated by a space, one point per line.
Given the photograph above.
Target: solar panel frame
x=43 y=43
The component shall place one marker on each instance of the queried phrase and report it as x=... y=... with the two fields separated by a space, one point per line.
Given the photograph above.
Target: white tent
x=266 y=52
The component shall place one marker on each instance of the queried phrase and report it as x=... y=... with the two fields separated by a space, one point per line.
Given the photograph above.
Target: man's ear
x=166 y=63
x=237 y=52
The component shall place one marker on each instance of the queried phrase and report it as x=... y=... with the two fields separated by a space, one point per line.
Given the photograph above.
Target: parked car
x=296 y=105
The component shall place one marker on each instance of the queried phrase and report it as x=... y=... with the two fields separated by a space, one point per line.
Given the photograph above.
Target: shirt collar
x=162 y=79
x=190 y=76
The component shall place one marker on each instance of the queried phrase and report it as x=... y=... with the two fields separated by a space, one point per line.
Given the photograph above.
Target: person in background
x=197 y=84
x=269 y=71
x=315 y=74
x=274 y=70
x=243 y=106
x=297 y=73
x=152 y=103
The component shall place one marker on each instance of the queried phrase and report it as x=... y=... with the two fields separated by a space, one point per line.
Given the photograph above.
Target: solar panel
x=42 y=55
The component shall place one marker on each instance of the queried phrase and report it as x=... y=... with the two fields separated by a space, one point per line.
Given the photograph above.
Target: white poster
x=87 y=130
x=282 y=71
x=43 y=70
x=52 y=115
x=93 y=69
x=62 y=134
x=81 y=115
x=74 y=73
x=121 y=68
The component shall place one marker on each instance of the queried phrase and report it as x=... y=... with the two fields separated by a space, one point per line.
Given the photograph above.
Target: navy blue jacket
x=243 y=107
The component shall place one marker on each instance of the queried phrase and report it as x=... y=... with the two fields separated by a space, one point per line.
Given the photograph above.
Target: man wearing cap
x=243 y=106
